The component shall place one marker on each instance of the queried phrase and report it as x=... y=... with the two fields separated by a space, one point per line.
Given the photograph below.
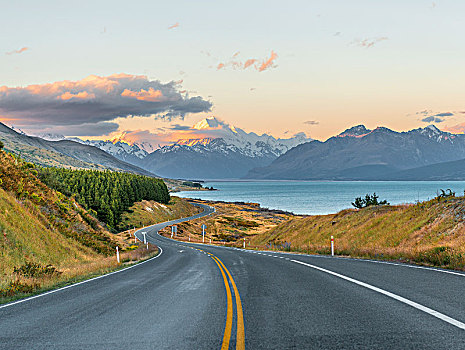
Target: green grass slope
x=42 y=226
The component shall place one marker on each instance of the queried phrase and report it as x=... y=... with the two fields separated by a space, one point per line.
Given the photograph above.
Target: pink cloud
x=269 y=62
x=96 y=99
x=249 y=62
x=151 y=94
x=80 y=95
x=174 y=26
x=21 y=50
x=455 y=129
x=367 y=43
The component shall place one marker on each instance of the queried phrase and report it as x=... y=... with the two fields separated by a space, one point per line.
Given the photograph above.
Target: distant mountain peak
x=18 y=130
x=192 y=142
x=121 y=137
x=208 y=123
x=433 y=128
x=51 y=136
x=355 y=131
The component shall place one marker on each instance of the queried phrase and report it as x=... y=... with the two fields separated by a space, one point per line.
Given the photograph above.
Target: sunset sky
x=97 y=68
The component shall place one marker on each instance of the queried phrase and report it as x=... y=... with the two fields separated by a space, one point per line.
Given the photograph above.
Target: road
x=194 y=296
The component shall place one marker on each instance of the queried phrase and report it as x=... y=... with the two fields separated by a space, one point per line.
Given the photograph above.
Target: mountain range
x=226 y=152
x=62 y=153
x=380 y=154
x=229 y=153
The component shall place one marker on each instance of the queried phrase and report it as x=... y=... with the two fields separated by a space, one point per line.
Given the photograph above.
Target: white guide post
x=145 y=239
x=244 y=242
x=203 y=232
x=117 y=254
x=332 y=245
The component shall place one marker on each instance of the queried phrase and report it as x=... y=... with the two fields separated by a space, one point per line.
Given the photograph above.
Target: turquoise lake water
x=320 y=197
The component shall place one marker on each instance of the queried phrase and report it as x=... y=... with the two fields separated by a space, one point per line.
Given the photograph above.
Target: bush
x=30 y=269
x=16 y=287
x=441 y=256
x=369 y=200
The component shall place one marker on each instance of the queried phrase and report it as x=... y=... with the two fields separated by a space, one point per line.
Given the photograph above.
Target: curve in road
x=288 y=301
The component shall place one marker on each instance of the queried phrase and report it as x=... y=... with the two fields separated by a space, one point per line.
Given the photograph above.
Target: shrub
x=31 y=269
x=16 y=287
x=369 y=200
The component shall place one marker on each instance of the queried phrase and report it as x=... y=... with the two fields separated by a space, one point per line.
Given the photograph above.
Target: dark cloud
x=312 y=122
x=432 y=119
x=446 y=114
x=95 y=100
x=97 y=129
x=179 y=127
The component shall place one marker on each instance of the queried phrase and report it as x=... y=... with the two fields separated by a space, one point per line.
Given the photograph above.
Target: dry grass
x=430 y=232
x=230 y=224
x=147 y=213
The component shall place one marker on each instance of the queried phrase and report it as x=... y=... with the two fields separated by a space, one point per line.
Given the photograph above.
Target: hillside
x=63 y=153
x=146 y=213
x=42 y=226
x=430 y=232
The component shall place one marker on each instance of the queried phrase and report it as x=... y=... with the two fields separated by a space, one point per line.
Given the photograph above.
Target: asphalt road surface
x=195 y=296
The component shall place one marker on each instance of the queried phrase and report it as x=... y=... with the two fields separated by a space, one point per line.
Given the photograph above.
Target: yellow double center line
x=240 y=331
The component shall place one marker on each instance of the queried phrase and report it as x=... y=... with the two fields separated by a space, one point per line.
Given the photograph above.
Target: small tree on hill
x=368 y=201
x=1 y=145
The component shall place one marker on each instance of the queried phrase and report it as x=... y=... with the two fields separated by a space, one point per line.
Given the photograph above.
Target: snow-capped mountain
x=119 y=149
x=232 y=139
x=227 y=152
x=117 y=146
x=380 y=154
x=122 y=139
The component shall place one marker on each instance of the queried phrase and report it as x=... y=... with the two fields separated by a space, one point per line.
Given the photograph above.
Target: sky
x=98 y=68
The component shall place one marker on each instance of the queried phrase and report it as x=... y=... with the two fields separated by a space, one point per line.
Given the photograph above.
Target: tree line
x=105 y=194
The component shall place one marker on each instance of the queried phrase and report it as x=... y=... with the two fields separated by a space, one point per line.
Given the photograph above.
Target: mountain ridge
x=362 y=154
x=62 y=153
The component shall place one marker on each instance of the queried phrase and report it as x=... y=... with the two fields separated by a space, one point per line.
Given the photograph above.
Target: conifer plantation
x=106 y=194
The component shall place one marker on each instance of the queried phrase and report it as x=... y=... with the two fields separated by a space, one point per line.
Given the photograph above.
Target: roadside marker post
x=145 y=240
x=147 y=245
x=332 y=245
x=174 y=230
x=117 y=254
x=244 y=242
x=210 y=241
x=203 y=232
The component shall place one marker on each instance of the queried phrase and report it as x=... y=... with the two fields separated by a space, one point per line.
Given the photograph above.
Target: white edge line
x=420 y=307
x=411 y=266
x=78 y=283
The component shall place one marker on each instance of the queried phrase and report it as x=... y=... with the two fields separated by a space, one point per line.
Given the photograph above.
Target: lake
x=320 y=197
